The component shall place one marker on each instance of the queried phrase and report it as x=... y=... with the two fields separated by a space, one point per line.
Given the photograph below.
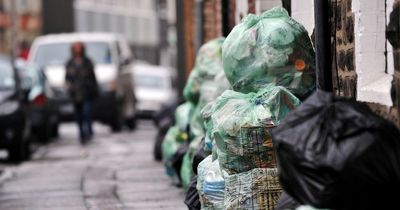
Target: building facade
x=137 y=20
x=27 y=22
x=364 y=42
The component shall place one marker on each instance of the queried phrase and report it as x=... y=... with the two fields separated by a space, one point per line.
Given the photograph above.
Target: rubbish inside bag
x=214 y=186
x=336 y=153
x=255 y=189
x=240 y=125
x=271 y=48
x=210 y=184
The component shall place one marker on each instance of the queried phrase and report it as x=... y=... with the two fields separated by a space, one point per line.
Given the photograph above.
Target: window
x=6 y=75
x=373 y=65
x=59 y=53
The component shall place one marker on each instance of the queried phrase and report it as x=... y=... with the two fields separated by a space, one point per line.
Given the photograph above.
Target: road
x=115 y=171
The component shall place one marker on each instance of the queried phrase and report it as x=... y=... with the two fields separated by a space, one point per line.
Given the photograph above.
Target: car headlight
x=8 y=107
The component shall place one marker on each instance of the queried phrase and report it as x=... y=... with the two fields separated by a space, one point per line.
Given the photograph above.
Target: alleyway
x=115 y=171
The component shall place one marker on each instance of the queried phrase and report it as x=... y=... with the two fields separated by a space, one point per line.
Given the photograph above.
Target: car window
x=7 y=80
x=150 y=81
x=30 y=77
x=59 y=53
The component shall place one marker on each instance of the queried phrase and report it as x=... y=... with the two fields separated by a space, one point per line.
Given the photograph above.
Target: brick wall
x=189 y=35
x=361 y=56
x=212 y=19
x=343 y=66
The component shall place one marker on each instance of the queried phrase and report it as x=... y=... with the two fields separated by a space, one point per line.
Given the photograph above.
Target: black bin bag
x=336 y=153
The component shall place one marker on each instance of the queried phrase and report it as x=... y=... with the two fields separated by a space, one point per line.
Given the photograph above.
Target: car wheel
x=18 y=151
x=118 y=121
x=157 y=149
x=54 y=130
x=44 y=133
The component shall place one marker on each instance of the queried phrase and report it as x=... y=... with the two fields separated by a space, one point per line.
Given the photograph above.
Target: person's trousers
x=84 y=119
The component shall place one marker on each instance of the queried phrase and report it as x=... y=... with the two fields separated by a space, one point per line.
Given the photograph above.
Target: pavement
x=114 y=171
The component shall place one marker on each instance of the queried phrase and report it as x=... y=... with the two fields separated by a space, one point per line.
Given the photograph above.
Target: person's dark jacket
x=81 y=80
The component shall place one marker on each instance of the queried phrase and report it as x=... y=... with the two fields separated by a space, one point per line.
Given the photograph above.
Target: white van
x=112 y=58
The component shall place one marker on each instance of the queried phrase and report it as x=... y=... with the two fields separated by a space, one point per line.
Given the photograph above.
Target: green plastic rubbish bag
x=210 y=185
x=240 y=125
x=209 y=92
x=176 y=135
x=186 y=168
x=256 y=189
x=270 y=48
x=214 y=187
x=202 y=170
x=169 y=146
x=208 y=64
x=183 y=115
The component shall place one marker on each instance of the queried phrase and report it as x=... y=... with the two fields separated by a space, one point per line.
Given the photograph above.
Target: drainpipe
x=225 y=17
x=13 y=52
x=323 y=45
x=181 y=58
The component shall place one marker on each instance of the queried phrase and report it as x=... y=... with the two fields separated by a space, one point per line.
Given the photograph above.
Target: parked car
x=44 y=107
x=154 y=87
x=14 y=114
x=112 y=57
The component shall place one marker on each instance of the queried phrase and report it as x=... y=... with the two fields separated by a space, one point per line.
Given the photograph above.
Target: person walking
x=82 y=88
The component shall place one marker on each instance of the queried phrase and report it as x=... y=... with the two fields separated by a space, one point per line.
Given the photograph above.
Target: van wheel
x=131 y=123
x=118 y=121
x=157 y=149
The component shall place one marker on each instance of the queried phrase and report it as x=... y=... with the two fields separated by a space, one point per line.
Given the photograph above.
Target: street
x=114 y=171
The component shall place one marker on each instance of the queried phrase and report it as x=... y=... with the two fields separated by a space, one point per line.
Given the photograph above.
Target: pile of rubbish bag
x=241 y=123
x=254 y=134
x=335 y=153
x=205 y=82
x=271 y=48
x=269 y=62
x=258 y=135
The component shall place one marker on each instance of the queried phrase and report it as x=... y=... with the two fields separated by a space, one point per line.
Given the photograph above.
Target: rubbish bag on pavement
x=255 y=189
x=210 y=185
x=270 y=48
x=192 y=200
x=286 y=203
x=176 y=136
x=199 y=156
x=186 y=171
x=240 y=125
x=177 y=160
x=209 y=91
x=208 y=65
x=336 y=153
x=214 y=187
x=170 y=146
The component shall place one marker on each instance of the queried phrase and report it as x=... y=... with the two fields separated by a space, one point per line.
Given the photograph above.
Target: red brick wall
x=189 y=27
x=212 y=19
x=252 y=6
